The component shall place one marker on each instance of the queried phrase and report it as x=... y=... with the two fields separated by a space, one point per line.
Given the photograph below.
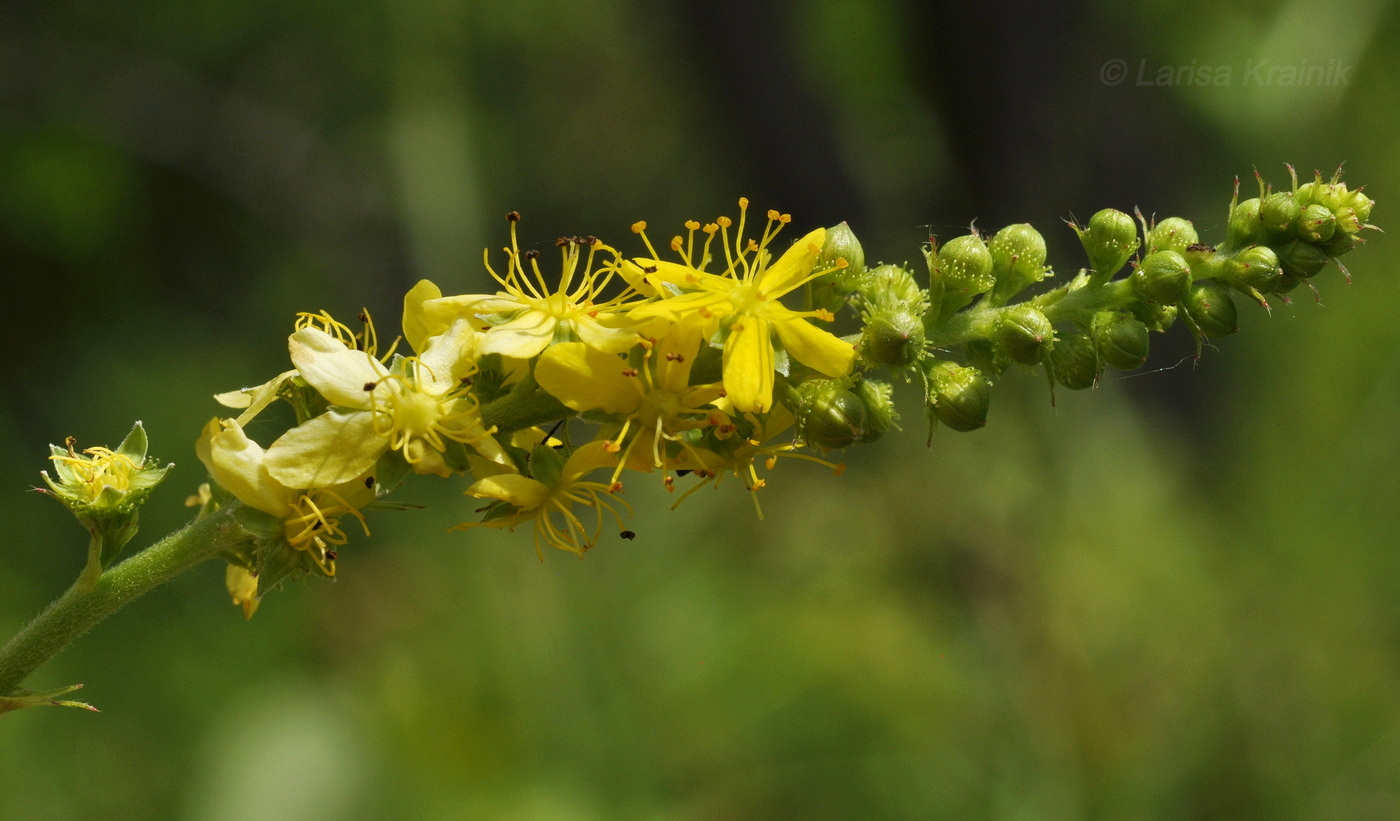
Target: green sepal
x=20 y=699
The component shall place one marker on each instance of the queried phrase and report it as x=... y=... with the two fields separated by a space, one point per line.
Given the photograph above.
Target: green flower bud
x=963 y=268
x=845 y=260
x=1300 y=259
x=1279 y=211
x=1246 y=227
x=828 y=415
x=1316 y=223
x=1340 y=243
x=1360 y=204
x=1155 y=316
x=1173 y=234
x=1120 y=339
x=1162 y=277
x=1025 y=334
x=958 y=396
x=1074 y=362
x=1018 y=260
x=1211 y=310
x=892 y=286
x=105 y=488
x=880 y=414
x=986 y=356
x=1110 y=238
x=893 y=337
x=1287 y=282
x=1254 y=268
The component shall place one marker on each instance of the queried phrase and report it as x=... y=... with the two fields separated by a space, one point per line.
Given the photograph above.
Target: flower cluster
x=714 y=358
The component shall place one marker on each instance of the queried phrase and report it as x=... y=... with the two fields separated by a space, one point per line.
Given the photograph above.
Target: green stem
x=526 y=405
x=86 y=604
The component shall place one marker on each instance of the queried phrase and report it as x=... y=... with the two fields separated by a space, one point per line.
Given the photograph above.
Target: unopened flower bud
x=1074 y=363
x=1018 y=259
x=1025 y=334
x=1246 y=227
x=1360 y=204
x=1121 y=340
x=1173 y=234
x=1162 y=277
x=1301 y=259
x=1110 y=238
x=1279 y=211
x=1211 y=310
x=963 y=268
x=1340 y=243
x=958 y=396
x=1316 y=223
x=880 y=414
x=1156 y=317
x=828 y=414
x=844 y=260
x=1256 y=268
x=893 y=337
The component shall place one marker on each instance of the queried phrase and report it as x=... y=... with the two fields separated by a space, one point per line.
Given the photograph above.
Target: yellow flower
x=526 y=316
x=413 y=409
x=310 y=517
x=548 y=499
x=744 y=299
x=657 y=397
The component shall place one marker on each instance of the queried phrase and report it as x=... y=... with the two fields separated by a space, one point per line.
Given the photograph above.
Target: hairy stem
x=86 y=603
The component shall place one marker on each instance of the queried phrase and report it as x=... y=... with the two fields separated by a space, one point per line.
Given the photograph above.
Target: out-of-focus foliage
x=1174 y=596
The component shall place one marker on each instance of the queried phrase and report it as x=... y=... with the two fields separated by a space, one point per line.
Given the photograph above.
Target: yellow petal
x=585 y=379
x=511 y=488
x=587 y=459
x=333 y=448
x=417 y=327
x=523 y=337
x=793 y=266
x=602 y=338
x=239 y=465
x=448 y=357
x=337 y=372
x=815 y=347
x=748 y=365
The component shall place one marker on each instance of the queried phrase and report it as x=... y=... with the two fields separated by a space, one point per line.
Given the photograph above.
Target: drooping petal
x=238 y=464
x=333 y=448
x=815 y=347
x=511 y=488
x=586 y=459
x=337 y=372
x=748 y=365
x=585 y=379
x=793 y=266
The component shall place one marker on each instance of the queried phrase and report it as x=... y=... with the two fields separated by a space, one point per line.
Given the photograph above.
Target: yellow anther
x=725 y=222
x=743 y=202
x=692 y=225
x=753 y=245
x=785 y=218
x=677 y=243
x=711 y=228
x=774 y=215
x=639 y=226
x=841 y=262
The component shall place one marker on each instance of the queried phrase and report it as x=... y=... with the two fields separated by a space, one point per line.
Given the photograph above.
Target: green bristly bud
x=1018 y=260
x=1246 y=226
x=1157 y=318
x=1255 y=269
x=1278 y=212
x=1163 y=277
x=828 y=415
x=1025 y=334
x=893 y=337
x=1074 y=362
x=1211 y=310
x=958 y=396
x=1172 y=234
x=1340 y=243
x=880 y=414
x=1317 y=223
x=1121 y=340
x=1109 y=240
x=1301 y=259
x=105 y=489
x=959 y=271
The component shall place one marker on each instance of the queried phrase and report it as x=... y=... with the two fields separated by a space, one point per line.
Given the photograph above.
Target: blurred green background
x=1174 y=596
